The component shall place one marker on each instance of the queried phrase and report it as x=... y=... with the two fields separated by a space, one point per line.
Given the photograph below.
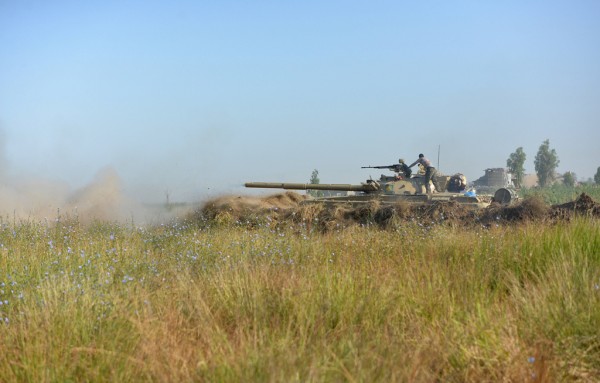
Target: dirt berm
x=286 y=208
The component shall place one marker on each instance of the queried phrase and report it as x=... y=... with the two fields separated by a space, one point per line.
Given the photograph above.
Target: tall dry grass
x=234 y=302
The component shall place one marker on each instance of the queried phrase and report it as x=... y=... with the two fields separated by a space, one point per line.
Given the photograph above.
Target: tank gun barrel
x=368 y=187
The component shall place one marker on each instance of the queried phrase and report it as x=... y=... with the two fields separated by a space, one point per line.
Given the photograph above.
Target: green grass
x=558 y=194
x=227 y=303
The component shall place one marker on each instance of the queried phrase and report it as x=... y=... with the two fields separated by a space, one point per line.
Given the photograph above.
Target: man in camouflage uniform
x=430 y=172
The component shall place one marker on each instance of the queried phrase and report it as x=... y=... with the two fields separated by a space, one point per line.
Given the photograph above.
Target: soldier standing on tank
x=429 y=172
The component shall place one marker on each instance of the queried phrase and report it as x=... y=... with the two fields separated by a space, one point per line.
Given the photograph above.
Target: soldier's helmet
x=401 y=160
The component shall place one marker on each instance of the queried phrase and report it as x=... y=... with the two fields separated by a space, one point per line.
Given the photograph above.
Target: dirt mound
x=443 y=211
x=533 y=208
x=583 y=205
x=231 y=209
x=286 y=208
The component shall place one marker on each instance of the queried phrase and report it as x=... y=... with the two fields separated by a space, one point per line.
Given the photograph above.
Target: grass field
x=200 y=302
x=557 y=194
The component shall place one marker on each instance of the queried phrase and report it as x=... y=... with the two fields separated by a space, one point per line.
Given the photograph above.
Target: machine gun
x=401 y=168
x=391 y=167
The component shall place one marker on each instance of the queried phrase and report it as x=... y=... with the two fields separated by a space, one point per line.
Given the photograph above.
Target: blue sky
x=198 y=97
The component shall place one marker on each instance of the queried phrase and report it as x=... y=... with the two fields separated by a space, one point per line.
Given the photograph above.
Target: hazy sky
x=198 y=97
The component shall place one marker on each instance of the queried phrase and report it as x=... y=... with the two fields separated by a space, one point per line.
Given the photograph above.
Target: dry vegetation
x=271 y=290
x=287 y=208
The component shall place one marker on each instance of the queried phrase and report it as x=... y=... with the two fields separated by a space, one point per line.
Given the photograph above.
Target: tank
x=390 y=190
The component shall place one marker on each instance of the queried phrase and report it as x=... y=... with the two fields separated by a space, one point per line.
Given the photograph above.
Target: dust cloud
x=28 y=198
x=103 y=199
x=25 y=197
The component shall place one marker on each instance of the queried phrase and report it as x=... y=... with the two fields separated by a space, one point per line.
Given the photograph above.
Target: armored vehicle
x=395 y=189
x=493 y=179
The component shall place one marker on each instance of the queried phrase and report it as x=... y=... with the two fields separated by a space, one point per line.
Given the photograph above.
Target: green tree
x=515 y=164
x=569 y=179
x=597 y=176
x=314 y=179
x=546 y=162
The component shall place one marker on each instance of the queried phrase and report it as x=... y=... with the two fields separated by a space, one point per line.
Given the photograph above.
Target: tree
x=569 y=179
x=314 y=179
x=597 y=176
x=515 y=164
x=546 y=162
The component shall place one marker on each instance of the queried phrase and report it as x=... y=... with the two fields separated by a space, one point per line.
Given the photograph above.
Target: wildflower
x=531 y=359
